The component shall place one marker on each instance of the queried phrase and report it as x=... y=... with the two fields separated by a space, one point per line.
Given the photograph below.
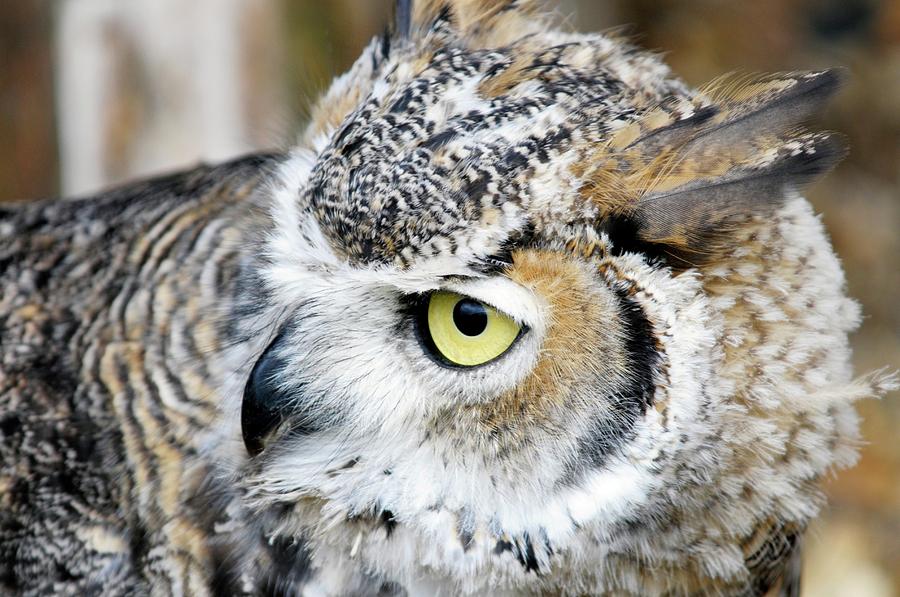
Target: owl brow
x=501 y=260
x=493 y=264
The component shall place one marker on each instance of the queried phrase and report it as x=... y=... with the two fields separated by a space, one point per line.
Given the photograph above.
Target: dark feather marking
x=290 y=566
x=434 y=142
x=631 y=402
x=465 y=526
x=388 y=522
x=623 y=232
x=502 y=546
x=526 y=556
x=775 y=567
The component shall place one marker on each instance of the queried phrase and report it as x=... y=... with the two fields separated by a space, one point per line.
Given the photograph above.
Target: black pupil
x=470 y=317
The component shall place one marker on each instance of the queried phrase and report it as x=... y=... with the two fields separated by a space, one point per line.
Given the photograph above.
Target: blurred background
x=94 y=92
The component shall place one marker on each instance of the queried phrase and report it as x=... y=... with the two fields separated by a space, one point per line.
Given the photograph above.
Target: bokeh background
x=94 y=92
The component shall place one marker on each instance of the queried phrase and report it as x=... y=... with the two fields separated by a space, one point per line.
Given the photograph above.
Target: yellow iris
x=467 y=332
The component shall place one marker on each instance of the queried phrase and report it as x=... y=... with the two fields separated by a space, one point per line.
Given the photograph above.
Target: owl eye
x=463 y=332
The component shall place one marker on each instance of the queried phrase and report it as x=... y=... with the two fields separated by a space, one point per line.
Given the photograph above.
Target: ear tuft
x=695 y=220
x=403 y=18
x=687 y=178
x=475 y=23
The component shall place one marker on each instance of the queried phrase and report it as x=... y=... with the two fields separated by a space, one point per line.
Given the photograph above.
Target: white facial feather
x=394 y=387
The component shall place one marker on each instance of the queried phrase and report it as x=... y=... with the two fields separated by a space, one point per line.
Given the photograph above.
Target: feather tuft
x=687 y=174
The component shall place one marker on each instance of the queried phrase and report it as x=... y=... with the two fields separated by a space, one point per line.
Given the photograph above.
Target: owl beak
x=261 y=410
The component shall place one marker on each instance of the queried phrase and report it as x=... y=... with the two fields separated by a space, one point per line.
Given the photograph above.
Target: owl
x=522 y=313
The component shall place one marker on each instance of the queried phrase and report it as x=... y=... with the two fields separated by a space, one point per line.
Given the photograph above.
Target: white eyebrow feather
x=520 y=303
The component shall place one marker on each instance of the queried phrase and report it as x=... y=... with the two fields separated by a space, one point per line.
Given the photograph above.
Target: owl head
x=538 y=316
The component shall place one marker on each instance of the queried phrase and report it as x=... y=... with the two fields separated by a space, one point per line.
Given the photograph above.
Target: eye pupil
x=470 y=317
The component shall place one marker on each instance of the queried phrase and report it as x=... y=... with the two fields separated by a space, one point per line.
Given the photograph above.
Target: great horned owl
x=523 y=314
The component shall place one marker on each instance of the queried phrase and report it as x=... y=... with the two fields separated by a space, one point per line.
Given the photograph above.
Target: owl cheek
x=263 y=404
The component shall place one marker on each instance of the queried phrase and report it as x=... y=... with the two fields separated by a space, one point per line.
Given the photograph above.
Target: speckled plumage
x=214 y=383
